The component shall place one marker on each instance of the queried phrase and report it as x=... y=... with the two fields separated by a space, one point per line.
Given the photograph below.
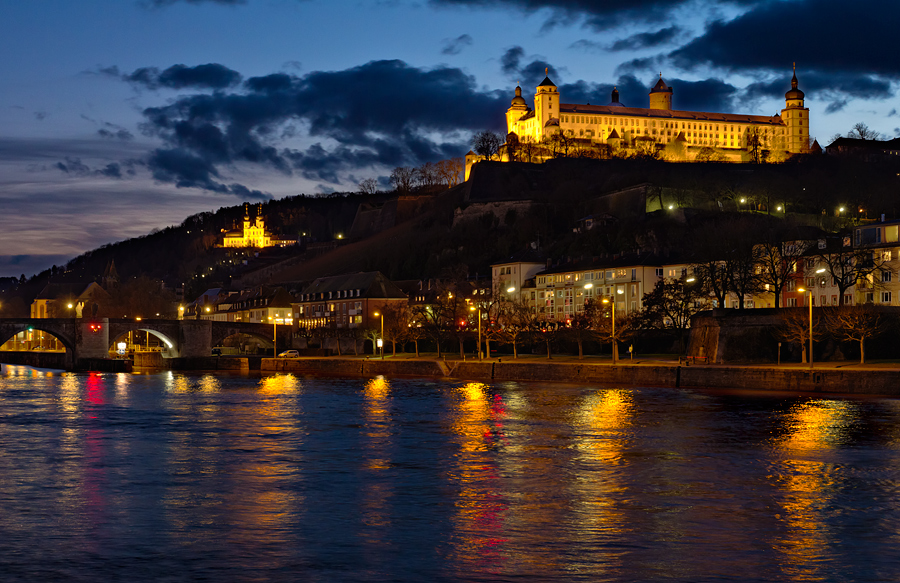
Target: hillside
x=504 y=209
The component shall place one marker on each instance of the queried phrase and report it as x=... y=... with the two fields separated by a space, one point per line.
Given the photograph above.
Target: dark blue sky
x=120 y=116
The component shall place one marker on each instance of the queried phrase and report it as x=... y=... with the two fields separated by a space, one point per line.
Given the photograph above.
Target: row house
x=560 y=292
x=883 y=240
x=346 y=301
x=262 y=304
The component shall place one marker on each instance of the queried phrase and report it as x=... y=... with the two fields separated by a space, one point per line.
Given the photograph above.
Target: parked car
x=217 y=352
x=289 y=354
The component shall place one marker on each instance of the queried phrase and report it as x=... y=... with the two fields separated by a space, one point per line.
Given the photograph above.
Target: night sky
x=121 y=116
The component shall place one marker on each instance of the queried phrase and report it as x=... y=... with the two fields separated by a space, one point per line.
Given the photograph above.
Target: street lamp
x=381 y=339
x=615 y=348
x=274 y=334
x=809 y=301
x=478 y=309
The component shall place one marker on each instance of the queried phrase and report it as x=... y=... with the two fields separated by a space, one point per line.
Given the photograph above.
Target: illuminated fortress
x=670 y=134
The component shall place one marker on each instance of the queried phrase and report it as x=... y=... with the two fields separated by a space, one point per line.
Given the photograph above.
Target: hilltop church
x=674 y=134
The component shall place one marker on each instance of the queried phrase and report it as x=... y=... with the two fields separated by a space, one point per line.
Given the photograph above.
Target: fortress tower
x=661 y=96
x=796 y=119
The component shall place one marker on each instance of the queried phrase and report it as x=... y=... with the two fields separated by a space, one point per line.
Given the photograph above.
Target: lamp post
x=274 y=335
x=381 y=338
x=809 y=302
x=478 y=310
x=615 y=348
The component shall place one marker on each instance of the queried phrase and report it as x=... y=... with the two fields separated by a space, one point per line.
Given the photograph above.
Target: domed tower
x=614 y=101
x=796 y=119
x=516 y=110
x=661 y=95
x=546 y=102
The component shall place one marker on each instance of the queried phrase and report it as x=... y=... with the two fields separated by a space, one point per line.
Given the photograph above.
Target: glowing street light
x=381 y=339
x=615 y=347
x=510 y=289
x=478 y=309
x=274 y=333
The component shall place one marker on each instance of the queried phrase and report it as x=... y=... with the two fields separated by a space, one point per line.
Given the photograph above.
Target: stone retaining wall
x=830 y=380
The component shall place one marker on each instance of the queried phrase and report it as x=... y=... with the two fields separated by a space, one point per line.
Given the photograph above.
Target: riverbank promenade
x=838 y=378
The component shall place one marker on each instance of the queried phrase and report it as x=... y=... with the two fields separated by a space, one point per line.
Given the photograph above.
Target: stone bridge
x=92 y=339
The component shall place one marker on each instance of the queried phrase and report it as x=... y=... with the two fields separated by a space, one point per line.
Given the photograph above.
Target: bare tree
x=861 y=131
x=560 y=144
x=671 y=304
x=848 y=266
x=795 y=328
x=755 y=144
x=582 y=326
x=427 y=175
x=368 y=186
x=856 y=323
x=451 y=171
x=528 y=149
x=487 y=144
x=518 y=323
x=396 y=324
x=708 y=154
x=403 y=178
x=778 y=259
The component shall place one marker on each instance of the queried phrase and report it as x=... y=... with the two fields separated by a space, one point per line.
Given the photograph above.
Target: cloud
x=73 y=166
x=119 y=134
x=836 y=106
x=208 y=76
x=527 y=74
x=646 y=40
x=592 y=13
x=383 y=113
x=455 y=46
x=161 y=3
x=817 y=34
x=712 y=95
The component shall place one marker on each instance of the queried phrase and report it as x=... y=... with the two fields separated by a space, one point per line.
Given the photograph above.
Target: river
x=180 y=477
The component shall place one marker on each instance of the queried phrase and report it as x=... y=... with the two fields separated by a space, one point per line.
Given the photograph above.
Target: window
x=659 y=272
x=886 y=275
x=885 y=297
x=792 y=302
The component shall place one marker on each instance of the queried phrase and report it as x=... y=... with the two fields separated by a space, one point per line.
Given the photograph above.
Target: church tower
x=546 y=104
x=516 y=110
x=246 y=217
x=796 y=119
x=661 y=95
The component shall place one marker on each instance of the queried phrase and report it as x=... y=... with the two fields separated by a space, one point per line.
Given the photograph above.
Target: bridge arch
x=170 y=346
x=62 y=331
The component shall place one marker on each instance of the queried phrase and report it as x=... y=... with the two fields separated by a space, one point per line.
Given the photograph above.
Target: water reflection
x=602 y=423
x=240 y=466
x=376 y=496
x=479 y=523
x=280 y=478
x=807 y=478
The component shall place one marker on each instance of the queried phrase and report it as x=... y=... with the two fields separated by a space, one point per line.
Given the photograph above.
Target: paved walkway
x=646 y=360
